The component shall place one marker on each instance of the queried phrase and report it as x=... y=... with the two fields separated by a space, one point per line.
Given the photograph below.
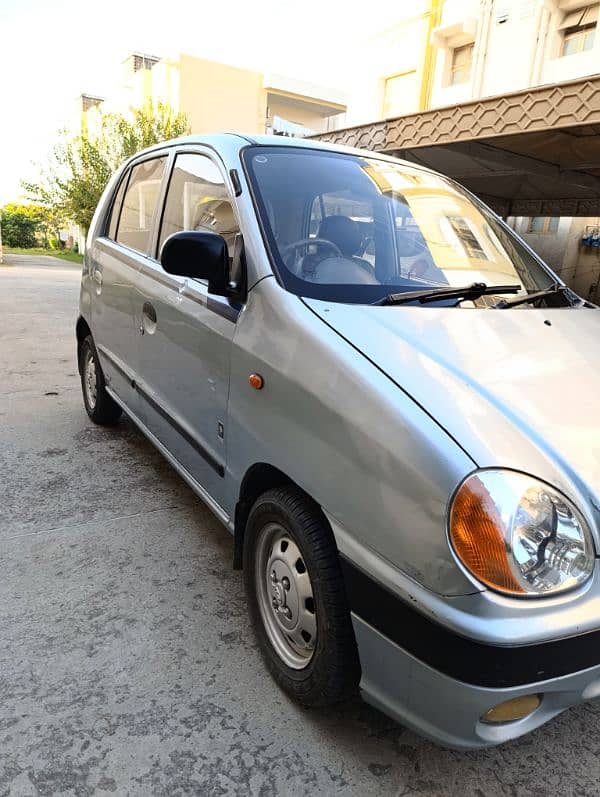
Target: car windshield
x=348 y=228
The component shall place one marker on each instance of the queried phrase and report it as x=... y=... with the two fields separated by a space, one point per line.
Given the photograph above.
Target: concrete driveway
x=126 y=662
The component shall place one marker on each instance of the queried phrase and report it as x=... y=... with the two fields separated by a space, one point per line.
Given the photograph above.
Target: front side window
x=139 y=203
x=350 y=228
x=197 y=199
x=578 y=30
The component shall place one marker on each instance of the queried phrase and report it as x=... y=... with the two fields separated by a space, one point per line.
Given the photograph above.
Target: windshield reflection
x=348 y=228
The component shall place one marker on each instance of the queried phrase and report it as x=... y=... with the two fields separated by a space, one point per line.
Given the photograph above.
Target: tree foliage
x=21 y=224
x=80 y=166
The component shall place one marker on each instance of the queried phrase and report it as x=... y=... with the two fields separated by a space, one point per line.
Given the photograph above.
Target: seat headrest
x=343 y=232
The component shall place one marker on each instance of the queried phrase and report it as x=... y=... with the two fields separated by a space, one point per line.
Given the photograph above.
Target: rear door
x=116 y=259
x=186 y=346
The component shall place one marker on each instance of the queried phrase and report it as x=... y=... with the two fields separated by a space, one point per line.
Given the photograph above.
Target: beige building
x=217 y=97
x=449 y=82
x=447 y=52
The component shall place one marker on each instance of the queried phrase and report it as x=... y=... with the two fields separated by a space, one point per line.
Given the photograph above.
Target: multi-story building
x=217 y=97
x=445 y=53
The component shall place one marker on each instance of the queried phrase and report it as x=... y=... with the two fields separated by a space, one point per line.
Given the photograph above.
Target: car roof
x=225 y=141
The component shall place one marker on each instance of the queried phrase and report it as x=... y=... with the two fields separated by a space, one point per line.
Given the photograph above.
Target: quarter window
x=578 y=30
x=116 y=209
x=139 y=204
x=197 y=199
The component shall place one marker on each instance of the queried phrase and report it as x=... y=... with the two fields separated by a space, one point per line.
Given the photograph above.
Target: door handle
x=148 y=319
x=149 y=311
x=97 y=277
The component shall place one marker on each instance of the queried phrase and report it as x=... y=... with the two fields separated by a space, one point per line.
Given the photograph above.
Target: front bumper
x=447 y=710
x=440 y=683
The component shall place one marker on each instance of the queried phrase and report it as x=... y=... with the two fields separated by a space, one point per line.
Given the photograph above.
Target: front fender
x=346 y=434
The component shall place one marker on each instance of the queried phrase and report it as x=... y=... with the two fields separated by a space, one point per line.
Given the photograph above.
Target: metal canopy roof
x=531 y=153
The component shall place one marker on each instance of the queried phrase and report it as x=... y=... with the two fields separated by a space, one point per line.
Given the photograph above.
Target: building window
x=143 y=62
x=401 y=94
x=460 y=67
x=88 y=101
x=467 y=237
x=543 y=224
x=578 y=30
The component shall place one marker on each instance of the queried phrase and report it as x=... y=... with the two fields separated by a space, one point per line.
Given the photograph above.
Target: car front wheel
x=297 y=598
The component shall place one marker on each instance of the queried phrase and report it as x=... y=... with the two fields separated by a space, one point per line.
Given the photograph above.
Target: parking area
x=127 y=664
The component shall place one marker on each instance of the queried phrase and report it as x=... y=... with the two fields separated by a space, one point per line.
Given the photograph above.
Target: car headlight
x=519 y=535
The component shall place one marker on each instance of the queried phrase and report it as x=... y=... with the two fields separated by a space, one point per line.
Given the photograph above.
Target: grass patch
x=62 y=254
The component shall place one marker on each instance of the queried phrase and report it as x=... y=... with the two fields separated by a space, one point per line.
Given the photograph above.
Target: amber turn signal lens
x=256 y=381
x=512 y=710
x=476 y=534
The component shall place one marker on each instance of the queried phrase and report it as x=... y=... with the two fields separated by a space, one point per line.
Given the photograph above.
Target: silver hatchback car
x=389 y=401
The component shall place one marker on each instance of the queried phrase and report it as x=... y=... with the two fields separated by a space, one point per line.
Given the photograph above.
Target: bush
x=53 y=243
x=20 y=224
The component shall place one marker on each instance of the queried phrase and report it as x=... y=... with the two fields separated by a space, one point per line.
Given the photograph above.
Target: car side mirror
x=200 y=255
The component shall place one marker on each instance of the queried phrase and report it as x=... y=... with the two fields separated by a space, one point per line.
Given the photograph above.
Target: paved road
x=126 y=662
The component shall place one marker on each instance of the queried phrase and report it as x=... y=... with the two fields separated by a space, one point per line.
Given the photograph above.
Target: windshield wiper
x=473 y=291
x=531 y=298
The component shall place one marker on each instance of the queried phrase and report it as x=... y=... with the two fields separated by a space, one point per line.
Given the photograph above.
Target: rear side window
x=197 y=199
x=139 y=203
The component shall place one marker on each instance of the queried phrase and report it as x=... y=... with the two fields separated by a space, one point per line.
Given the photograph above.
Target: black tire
x=333 y=672
x=101 y=408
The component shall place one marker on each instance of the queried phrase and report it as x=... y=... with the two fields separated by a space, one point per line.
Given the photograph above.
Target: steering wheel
x=285 y=250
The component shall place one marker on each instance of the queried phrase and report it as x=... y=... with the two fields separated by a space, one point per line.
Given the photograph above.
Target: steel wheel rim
x=89 y=379
x=285 y=597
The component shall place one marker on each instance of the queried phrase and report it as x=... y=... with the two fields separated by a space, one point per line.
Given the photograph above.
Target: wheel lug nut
x=274 y=577
x=286 y=582
x=288 y=612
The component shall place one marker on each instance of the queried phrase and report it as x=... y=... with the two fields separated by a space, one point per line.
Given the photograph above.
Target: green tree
x=80 y=166
x=21 y=224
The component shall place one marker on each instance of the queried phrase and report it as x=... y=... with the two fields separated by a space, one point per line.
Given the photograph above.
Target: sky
x=53 y=50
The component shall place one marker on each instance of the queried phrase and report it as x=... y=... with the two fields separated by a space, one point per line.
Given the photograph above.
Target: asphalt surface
x=127 y=665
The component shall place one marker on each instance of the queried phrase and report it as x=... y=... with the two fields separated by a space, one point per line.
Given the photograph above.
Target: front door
x=185 y=348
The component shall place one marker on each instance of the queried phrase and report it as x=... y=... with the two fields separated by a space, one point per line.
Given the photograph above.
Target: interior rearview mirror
x=200 y=255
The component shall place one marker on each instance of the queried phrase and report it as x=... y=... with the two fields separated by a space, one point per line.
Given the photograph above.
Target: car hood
x=516 y=388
